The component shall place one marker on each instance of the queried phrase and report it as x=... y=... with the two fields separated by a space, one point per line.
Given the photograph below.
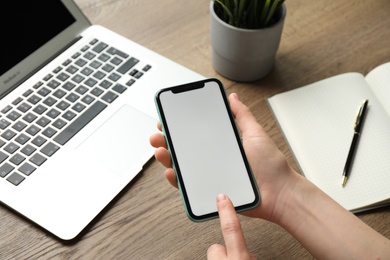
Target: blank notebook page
x=317 y=121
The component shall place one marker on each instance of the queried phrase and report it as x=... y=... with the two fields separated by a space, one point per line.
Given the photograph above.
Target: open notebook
x=318 y=123
x=76 y=112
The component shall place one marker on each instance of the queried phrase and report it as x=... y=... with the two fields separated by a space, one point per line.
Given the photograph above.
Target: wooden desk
x=147 y=220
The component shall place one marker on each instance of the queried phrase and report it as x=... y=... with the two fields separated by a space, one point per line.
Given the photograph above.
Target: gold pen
x=357 y=131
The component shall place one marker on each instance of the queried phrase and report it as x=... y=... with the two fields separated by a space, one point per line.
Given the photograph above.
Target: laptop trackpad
x=121 y=144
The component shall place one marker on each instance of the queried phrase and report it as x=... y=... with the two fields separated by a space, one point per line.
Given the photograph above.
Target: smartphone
x=205 y=148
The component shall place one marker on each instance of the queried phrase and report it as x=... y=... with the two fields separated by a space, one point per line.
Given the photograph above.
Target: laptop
x=76 y=112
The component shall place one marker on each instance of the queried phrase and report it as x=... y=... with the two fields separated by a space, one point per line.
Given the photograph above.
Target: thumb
x=246 y=122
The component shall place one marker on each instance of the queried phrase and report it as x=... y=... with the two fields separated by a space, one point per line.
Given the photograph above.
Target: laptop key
x=99 y=75
x=54 y=83
x=72 y=69
x=27 y=169
x=22 y=139
x=34 y=99
x=44 y=92
x=6 y=109
x=15 y=178
x=95 y=64
x=147 y=68
x=127 y=65
x=93 y=42
x=37 y=159
x=4 y=123
x=5 y=169
x=29 y=117
x=96 y=91
x=17 y=159
x=104 y=57
x=39 y=141
x=3 y=156
x=28 y=150
x=81 y=89
x=19 y=126
x=53 y=113
x=113 y=51
x=69 y=86
x=63 y=105
x=78 y=78
x=119 y=88
x=109 y=97
x=58 y=69
x=49 y=101
x=108 y=68
x=49 y=149
x=81 y=62
x=13 y=115
x=88 y=99
x=11 y=147
x=59 y=93
x=62 y=76
x=138 y=75
x=101 y=46
x=67 y=62
x=76 y=55
x=80 y=122
x=43 y=121
x=49 y=132
x=69 y=115
x=116 y=61
x=59 y=123
x=105 y=84
x=130 y=82
x=78 y=107
x=48 y=76
x=28 y=92
x=72 y=97
x=33 y=130
x=89 y=55
x=85 y=48
x=86 y=71
x=90 y=82
x=114 y=77
x=8 y=134
x=24 y=107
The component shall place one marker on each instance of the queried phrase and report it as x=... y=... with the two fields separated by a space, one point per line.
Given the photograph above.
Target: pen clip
x=359 y=114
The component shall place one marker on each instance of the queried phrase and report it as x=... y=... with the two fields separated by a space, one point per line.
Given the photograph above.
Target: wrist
x=291 y=200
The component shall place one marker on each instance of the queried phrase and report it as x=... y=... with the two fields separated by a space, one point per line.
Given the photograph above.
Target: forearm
x=324 y=228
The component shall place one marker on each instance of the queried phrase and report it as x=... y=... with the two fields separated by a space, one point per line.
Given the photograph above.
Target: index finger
x=231 y=227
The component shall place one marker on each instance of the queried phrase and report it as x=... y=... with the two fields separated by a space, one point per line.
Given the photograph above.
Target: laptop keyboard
x=37 y=124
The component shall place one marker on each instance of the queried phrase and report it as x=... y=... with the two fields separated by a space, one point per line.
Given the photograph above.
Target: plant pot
x=244 y=54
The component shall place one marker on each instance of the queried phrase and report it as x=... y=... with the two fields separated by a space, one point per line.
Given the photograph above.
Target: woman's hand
x=268 y=164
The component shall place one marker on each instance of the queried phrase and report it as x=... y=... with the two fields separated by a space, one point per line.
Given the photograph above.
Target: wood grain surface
x=147 y=220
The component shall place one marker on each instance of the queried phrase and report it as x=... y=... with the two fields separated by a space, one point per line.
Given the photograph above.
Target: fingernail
x=221 y=197
x=235 y=96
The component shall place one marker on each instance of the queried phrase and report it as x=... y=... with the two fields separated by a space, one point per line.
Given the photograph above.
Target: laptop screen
x=32 y=25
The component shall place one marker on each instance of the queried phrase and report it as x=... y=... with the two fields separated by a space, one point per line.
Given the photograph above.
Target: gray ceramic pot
x=242 y=54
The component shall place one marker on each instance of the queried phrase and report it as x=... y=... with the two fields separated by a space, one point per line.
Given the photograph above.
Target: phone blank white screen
x=206 y=148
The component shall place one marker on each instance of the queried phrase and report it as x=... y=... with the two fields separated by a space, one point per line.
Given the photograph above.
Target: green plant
x=247 y=14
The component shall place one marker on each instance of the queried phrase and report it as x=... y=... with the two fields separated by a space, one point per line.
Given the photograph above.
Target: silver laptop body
x=56 y=169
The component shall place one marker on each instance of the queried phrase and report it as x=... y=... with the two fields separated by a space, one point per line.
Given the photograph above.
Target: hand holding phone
x=205 y=148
